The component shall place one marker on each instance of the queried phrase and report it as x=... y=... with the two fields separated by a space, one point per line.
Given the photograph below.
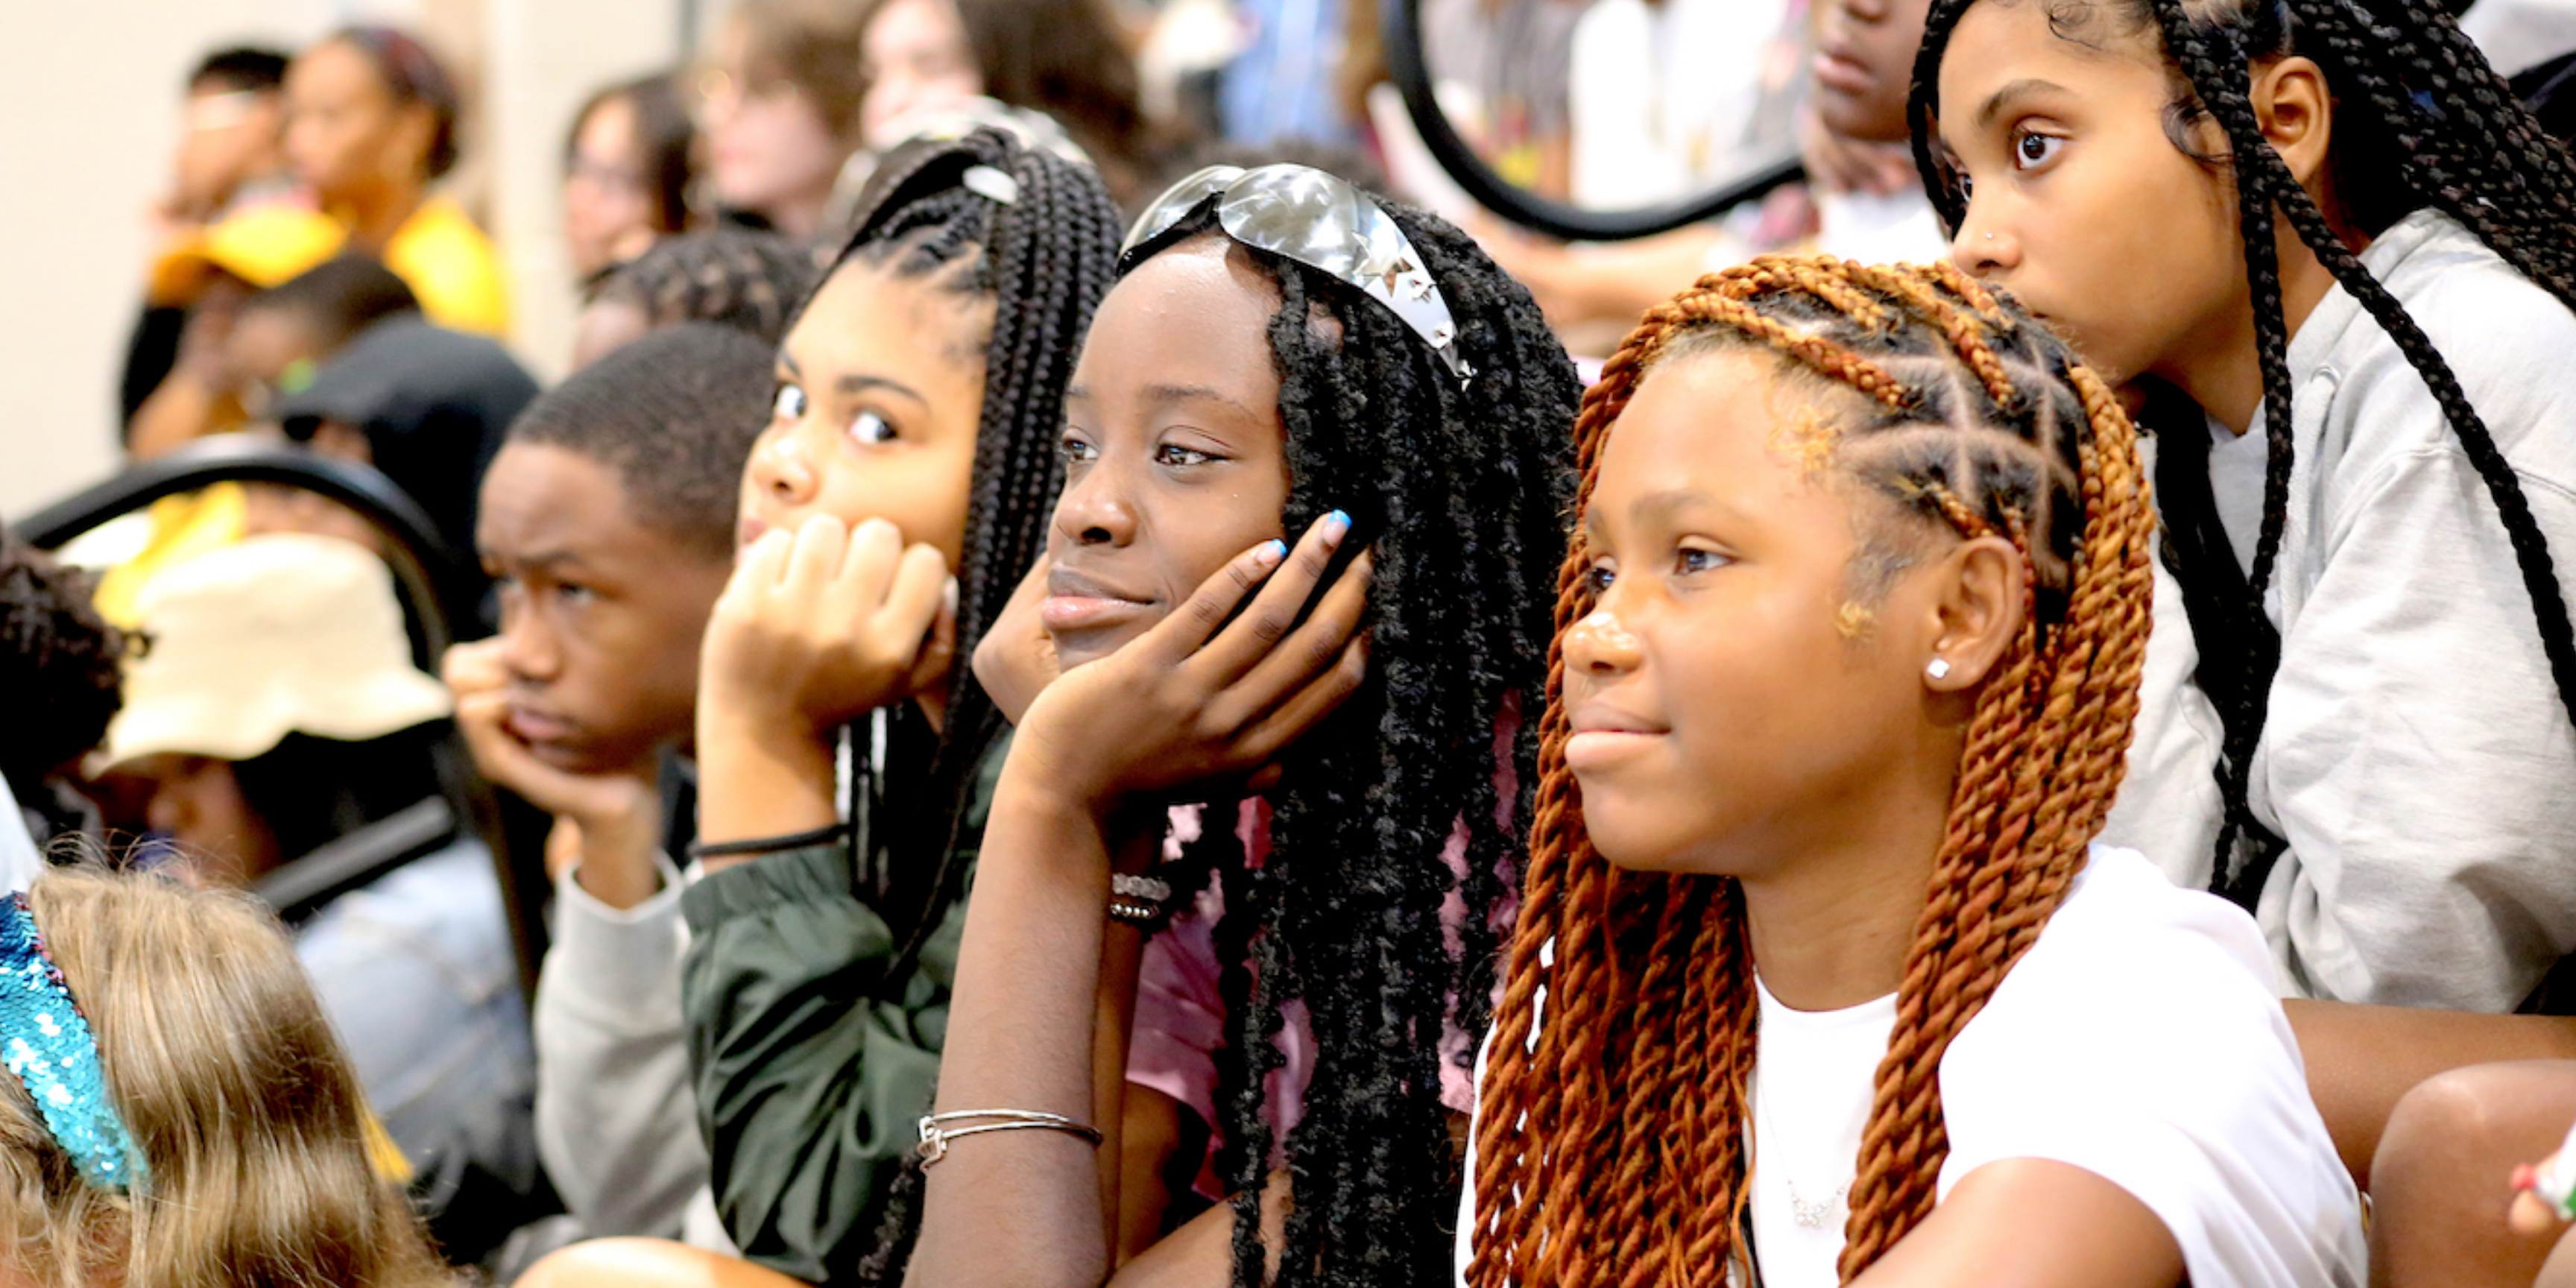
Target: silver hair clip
x=1320 y=221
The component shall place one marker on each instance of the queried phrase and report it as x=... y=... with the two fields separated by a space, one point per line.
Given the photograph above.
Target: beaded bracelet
x=1142 y=902
x=934 y=1139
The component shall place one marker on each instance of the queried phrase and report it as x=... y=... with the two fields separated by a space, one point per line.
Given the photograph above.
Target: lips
x=748 y=531
x=1837 y=69
x=1076 y=601
x=533 y=724
x=1603 y=735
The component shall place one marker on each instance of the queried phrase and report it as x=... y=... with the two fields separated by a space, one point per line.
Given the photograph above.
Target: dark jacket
x=812 y=1076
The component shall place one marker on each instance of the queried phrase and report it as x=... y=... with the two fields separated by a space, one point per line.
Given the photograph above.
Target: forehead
x=543 y=498
x=2077 y=45
x=916 y=329
x=334 y=68
x=1196 y=314
x=1731 y=423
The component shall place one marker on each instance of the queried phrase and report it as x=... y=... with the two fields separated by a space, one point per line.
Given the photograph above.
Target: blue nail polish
x=1335 y=525
x=1273 y=551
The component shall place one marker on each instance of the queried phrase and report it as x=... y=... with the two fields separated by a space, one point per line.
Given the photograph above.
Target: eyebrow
x=859 y=382
x=1996 y=102
x=1660 y=507
x=1161 y=395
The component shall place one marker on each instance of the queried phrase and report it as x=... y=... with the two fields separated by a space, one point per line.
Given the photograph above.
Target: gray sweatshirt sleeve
x=616 y=1120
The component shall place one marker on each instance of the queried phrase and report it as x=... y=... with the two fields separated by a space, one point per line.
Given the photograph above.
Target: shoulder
x=445 y=905
x=441 y=229
x=2140 y=1039
x=452 y=266
x=2133 y=980
x=2128 y=935
x=2505 y=336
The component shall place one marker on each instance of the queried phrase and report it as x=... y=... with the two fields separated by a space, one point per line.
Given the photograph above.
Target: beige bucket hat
x=269 y=636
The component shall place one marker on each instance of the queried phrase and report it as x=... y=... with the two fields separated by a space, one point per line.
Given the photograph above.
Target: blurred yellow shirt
x=451 y=266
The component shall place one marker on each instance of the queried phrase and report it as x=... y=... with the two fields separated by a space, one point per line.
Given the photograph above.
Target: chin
x=1082 y=648
x=1632 y=834
x=571 y=758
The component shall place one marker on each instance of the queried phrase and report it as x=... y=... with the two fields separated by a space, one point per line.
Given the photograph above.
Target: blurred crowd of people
x=240 y=686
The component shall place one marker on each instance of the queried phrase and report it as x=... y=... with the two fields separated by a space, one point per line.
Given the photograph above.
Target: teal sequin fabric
x=44 y=1041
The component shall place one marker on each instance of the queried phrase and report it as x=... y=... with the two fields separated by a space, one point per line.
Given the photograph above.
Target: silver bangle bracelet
x=934 y=1138
x=1141 y=889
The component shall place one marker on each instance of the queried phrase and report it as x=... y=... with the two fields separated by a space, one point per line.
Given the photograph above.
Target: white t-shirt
x=2139 y=1039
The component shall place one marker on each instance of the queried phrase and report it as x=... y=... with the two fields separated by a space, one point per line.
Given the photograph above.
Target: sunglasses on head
x=1300 y=213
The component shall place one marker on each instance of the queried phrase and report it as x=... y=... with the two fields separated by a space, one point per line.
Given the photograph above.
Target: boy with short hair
x=607 y=524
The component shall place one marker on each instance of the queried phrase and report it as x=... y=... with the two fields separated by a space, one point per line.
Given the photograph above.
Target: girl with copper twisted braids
x=1816 y=976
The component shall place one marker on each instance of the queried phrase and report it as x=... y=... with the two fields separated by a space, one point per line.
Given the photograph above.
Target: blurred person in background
x=1065 y=59
x=371 y=126
x=742 y=278
x=422 y=404
x=60 y=682
x=266 y=337
x=626 y=175
x=229 y=156
x=1678 y=128
x=229 y=150
x=1504 y=63
x=277 y=711
x=779 y=102
x=271 y=346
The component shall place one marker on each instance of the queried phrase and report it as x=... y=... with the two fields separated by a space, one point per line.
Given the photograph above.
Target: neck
x=1831 y=927
x=375 y=213
x=800 y=217
x=2222 y=372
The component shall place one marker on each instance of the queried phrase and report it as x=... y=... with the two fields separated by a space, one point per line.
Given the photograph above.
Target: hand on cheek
x=1188 y=703
x=1016 y=659
x=614 y=820
x=822 y=625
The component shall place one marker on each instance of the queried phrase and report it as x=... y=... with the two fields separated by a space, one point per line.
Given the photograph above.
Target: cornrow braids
x=2422 y=121
x=1044 y=257
x=1462 y=493
x=1611 y=1139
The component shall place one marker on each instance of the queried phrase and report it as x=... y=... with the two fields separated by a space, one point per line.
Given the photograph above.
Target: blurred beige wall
x=88 y=115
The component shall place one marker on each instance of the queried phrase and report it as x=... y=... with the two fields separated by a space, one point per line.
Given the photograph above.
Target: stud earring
x=1990 y=236
x=1939 y=669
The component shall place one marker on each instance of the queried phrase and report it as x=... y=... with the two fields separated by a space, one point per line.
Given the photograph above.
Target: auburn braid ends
x=1611 y=1138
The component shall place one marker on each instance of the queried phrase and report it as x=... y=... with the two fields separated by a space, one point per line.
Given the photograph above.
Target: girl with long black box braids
x=913 y=437
x=1232 y=397
x=2324 y=229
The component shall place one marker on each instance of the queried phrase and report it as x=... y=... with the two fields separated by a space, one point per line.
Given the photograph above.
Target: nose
x=1094 y=510
x=1981 y=249
x=1601 y=646
x=528 y=649
x=780 y=471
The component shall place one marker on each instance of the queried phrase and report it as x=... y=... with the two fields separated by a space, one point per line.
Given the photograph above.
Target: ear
x=1978 y=590
x=415 y=128
x=2297 y=113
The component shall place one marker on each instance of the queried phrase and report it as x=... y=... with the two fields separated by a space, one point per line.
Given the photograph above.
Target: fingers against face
x=1279 y=582
x=1307 y=655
